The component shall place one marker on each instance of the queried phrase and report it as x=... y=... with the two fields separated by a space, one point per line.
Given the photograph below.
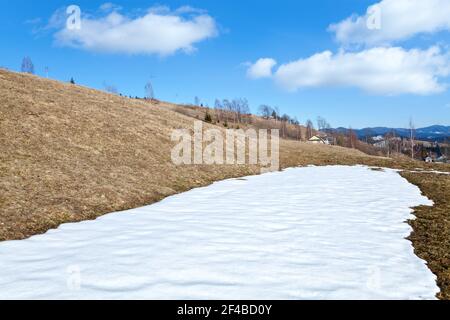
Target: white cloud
x=159 y=32
x=108 y=6
x=261 y=68
x=380 y=68
x=400 y=20
x=384 y=71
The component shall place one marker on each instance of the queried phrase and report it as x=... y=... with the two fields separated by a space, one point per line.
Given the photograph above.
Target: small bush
x=208 y=118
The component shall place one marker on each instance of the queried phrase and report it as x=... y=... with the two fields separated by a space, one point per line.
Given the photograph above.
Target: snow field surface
x=305 y=233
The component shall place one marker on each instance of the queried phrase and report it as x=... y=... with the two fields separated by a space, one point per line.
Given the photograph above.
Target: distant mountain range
x=432 y=133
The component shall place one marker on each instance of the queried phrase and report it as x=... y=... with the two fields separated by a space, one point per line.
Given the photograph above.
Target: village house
x=318 y=140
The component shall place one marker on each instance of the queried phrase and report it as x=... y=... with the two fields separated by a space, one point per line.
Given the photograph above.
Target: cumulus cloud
x=399 y=20
x=380 y=66
x=261 y=68
x=384 y=71
x=161 y=32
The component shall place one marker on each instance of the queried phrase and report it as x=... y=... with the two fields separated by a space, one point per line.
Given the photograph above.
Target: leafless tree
x=243 y=109
x=265 y=111
x=197 y=101
x=285 y=119
x=149 y=93
x=227 y=105
x=218 y=107
x=368 y=134
x=309 y=129
x=340 y=140
x=298 y=128
x=218 y=104
x=387 y=141
x=232 y=109
x=276 y=113
x=352 y=138
x=238 y=108
x=110 y=88
x=227 y=109
x=299 y=133
x=412 y=131
x=27 y=65
x=321 y=123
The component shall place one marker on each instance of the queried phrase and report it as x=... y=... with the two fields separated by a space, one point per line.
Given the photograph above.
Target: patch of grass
x=431 y=236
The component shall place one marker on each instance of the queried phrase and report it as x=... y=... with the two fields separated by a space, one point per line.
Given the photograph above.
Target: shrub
x=208 y=118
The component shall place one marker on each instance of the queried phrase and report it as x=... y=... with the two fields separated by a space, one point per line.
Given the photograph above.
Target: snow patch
x=305 y=233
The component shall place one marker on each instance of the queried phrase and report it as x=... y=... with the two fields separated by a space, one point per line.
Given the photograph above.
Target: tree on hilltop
x=27 y=65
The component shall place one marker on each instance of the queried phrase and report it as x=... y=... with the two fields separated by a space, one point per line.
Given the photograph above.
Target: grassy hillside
x=70 y=153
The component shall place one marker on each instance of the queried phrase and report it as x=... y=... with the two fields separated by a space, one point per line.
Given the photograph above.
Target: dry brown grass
x=431 y=237
x=69 y=153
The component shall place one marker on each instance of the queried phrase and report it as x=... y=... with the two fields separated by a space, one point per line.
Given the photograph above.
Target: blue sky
x=366 y=79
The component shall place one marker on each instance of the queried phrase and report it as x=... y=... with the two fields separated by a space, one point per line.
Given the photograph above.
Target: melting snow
x=306 y=233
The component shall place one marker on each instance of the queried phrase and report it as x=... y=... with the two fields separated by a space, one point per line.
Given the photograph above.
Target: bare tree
x=238 y=108
x=27 y=65
x=276 y=113
x=233 y=110
x=265 y=111
x=227 y=105
x=149 y=93
x=228 y=109
x=218 y=107
x=321 y=123
x=285 y=119
x=197 y=101
x=110 y=88
x=447 y=146
x=298 y=129
x=368 y=134
x=309 y=129
x=387 y=143
x=412 y=130
x=242 y=109
x=340 y=140
x=352 y=138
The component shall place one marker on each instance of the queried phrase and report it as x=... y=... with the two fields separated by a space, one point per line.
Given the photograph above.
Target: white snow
x=306 y=233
